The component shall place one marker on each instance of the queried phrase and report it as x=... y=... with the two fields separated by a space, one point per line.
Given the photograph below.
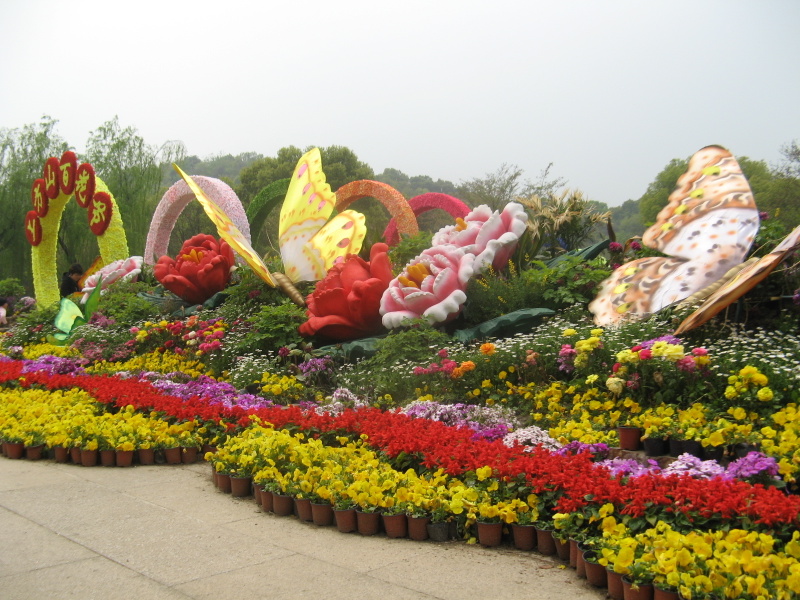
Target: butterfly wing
x=744 y=281
x=340 y=236
x=706 y=228
x=308 y=204
x=227 y=230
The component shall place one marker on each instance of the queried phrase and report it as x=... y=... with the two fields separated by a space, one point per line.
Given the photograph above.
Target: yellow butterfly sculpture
x=309 y=242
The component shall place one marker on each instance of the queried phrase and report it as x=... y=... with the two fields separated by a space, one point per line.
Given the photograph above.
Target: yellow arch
x=112 y=243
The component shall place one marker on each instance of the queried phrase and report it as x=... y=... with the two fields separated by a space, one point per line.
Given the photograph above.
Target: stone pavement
x=165 y=532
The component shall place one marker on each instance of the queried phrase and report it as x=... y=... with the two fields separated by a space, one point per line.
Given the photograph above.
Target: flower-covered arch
x=49 y=195
x=175 y=200
x=422 y=204
x=394 y=201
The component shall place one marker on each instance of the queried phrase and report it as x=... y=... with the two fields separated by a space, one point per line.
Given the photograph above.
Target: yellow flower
x=765 y=394
x=569 y=332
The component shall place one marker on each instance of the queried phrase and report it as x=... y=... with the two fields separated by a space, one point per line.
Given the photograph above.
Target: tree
x=131 y=169
x=506 y=185
x=657 y=194
x=23 y=153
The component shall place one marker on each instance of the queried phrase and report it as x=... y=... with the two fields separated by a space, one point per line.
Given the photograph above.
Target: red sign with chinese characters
x=39 y=199
x=33 y=228
x=68 y=168
x=99 y=213
x=84 y=184
x=52 y=175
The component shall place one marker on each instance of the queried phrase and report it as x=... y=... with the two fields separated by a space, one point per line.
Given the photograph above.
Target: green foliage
x=11 y=288
x=32 y=327
x=409 y=248
x=572 y=280
x=247 y=295
x=122 y=303
x=657 y=194
x=415 y=185
x=269 y=328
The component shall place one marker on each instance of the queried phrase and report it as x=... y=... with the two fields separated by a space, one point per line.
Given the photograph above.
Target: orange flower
x=487 y=349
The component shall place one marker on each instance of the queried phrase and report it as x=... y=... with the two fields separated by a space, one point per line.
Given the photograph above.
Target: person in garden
x=69 y=280
x=3 y=311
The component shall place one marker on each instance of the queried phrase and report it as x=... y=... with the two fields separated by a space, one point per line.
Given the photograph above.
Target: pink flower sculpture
x=119 y=270
x=201 y=269
x=431 y=286
x=490 y=235
x=346 y=304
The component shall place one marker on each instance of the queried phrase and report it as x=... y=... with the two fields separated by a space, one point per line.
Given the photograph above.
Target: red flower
x=201 y=269
x=346 y=304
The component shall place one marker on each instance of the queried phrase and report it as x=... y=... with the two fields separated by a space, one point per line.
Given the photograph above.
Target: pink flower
x=346 y=303
x=201 y=269
x=442 y=353
x=635 y=246
x=490 y=236
x=686 y=364
x=119 y=270
x=432 y=286
x=645 y=354
x=699 y=351
x=615 y=247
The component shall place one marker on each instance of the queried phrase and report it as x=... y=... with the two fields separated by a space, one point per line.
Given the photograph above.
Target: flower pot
x=675 y=447
x=224 y=482
x=490 y=534
x=693 y=447
x=655 y=446
x=596 y=573
x=524 y=536
x=345 y=520
x=107 y=458
x=146 y=456
x=257 y=494
x=321 y=514
x=60 y=454
x=713 y=453
x=241 y=486
x=208 y=448
x=438 y=532
x=189 y=455
x=282 y=505
x=303 y=509
x=545 y=543
x=75 y=455
x=573 y=553
x=266 y=500
x=643 y=591
x=580 y=564
x=88 y=458
x=172 y=456
x=395 y=526
x=741 y=449
x=124 y=458
x=15 y=450
x=418 y=528
x=368 y=523
x=34 y=452
x=629 y=437
x=659 y=594
x=614 y=582
x=562 y=548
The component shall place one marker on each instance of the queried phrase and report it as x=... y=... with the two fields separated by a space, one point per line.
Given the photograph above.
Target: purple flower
x=688 y=464
x=635 y=246
x=670 y=339
x=628 y=467
x=754 y=465
x=763 y=215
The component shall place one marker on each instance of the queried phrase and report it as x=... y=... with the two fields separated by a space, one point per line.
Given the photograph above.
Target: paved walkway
x=165 y=532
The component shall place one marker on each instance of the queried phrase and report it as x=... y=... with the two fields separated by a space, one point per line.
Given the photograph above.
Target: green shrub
x=122 y=303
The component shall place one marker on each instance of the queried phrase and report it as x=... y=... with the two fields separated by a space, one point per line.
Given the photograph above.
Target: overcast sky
x=609 y=91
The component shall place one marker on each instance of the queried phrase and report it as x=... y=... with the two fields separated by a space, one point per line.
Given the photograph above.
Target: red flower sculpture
x=346 y=304
x=201 y=269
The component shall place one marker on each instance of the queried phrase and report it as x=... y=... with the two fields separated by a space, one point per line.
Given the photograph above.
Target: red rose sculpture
x=201 y=269
x=346 y=304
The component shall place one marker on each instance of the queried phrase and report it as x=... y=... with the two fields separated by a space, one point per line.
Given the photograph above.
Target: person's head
x=75 y=271
x=3 y=301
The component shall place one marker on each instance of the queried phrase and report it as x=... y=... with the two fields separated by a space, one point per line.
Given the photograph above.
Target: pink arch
x=175 y=200
x=423 y=203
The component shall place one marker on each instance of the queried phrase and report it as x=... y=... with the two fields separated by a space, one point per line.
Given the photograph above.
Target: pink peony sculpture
x=490 y=235
x=119 y=270
x=201 y=269
x=422 y=204
x=431 y=286
x=346 y=304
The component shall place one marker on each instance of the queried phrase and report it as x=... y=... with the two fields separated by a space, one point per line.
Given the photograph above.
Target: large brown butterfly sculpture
x=706 y=229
